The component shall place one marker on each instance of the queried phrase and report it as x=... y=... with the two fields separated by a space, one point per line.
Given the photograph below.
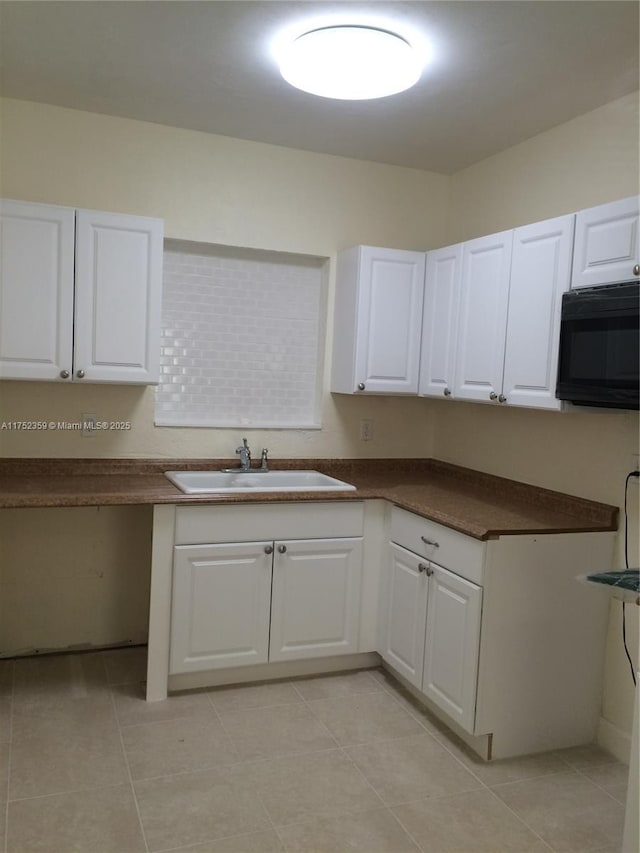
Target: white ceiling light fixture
x=350 y=63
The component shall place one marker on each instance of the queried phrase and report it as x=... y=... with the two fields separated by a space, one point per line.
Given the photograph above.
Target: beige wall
x=219 y=190
x=590 y=160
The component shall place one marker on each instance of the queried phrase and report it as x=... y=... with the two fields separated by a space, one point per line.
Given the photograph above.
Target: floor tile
x=254 y=842
x=366 y=717
x=126 y=666
x=99 y=821
x=568 y=811
x=196 y=807
x=411 y=768
x=253 y=696
x=176 y=746
x=4 y=773
x=57 y=753
x=133 y=709
x=50 y=682
x=612 y=777
x=473 y=822
x=365 y=832
x=267 y=732
x=503 y=770
x=407 y=700
x=300 y=787
x=6 y=678
x=583 y=757
x=341 y=684
x=5 y=719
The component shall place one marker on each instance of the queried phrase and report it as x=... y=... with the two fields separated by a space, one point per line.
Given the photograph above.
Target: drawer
x=455 y=551
x=198 y=525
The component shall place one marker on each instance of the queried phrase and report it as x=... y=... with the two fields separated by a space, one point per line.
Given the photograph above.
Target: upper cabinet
x=606 y=247
x=484 y=293
x=440 y=321
x=80 y=295
x=378 y=317
x=540 y=274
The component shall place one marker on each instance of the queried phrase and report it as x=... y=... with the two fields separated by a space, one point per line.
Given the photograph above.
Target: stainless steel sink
x=232 y=482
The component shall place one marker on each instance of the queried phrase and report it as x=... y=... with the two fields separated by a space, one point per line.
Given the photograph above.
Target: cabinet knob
x=282 y=549
x=268 y=549
x=447 y=392
x=80 y=374
x=361 y=386
x=423 y=567
x=430 y=542
x=493 y=396
x=636 y=269
x=64 y=374
x=502 y=399
x=429 y=570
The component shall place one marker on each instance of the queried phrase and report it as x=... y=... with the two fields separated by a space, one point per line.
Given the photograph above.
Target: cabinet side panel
x=344 y=322
x=542 y=642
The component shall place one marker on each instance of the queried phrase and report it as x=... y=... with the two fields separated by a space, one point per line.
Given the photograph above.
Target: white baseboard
x=614 y=740
x=267 y=671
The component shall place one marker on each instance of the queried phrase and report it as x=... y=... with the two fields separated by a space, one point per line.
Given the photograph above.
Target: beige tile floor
x=339 y=763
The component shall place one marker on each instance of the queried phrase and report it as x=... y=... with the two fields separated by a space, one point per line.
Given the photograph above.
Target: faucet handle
x=264 y=465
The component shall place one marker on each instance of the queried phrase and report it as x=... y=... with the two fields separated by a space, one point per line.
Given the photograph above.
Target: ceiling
x=501 y=71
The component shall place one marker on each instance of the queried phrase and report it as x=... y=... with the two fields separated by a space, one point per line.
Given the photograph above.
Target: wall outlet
x=88 y=425
x=366 y=429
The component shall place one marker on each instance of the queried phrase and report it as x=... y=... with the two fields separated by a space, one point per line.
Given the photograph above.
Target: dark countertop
x=474 y=503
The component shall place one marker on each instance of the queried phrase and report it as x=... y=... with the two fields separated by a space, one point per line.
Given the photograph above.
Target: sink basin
x=231 y=482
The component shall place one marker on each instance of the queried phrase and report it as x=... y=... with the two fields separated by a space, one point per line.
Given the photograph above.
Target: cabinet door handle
x=423 y=567
x=636 y=269
x=64 y=374
x=361 y=386
x=502 y=399
x=429 y=570
x=268 y=549
x=447 y=392
x=80 y=374
x=493 y=396
x=430 y=542
x=282 y=549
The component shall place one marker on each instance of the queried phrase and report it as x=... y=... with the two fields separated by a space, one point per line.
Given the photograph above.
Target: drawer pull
x=430 y=542
x=282 y=549
x=268 y=549
x=423 y=567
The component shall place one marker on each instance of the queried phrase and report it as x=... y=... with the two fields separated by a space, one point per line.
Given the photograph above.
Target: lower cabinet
x=243 y=603
x=452 y=646
x=432 y=631
x=220 y=606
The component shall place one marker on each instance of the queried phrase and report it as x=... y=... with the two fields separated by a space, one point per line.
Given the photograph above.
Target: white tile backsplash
x=241 y=340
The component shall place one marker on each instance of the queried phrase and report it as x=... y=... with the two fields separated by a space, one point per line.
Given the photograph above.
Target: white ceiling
x=502 y=71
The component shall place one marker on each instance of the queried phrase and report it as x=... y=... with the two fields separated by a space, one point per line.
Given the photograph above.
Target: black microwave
x=599 y=362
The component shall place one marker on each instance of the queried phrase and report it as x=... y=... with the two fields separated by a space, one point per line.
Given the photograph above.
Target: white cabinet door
x=483 y=317
x=452 y=645
x=540 y=274
x=406 y=612
x=378 y=315
x=118 y=293
x=315 y=609
x=36 y=291
x=439 y=321
x=220 y=606
x=607 y=248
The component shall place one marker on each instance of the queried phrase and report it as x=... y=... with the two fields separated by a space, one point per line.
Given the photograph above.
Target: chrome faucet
x=244 y=453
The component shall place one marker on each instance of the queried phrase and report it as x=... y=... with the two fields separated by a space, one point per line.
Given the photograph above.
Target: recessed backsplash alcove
x=242 y=337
